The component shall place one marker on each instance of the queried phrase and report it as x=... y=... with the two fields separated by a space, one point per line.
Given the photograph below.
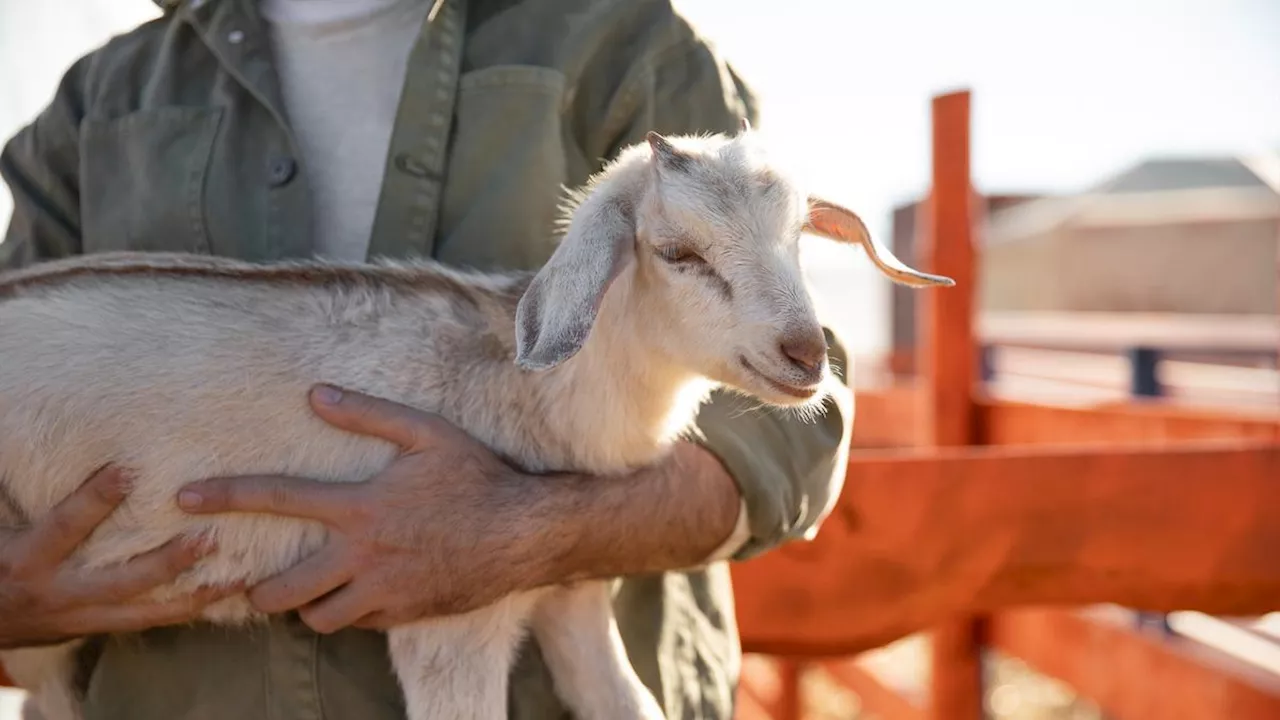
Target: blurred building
x=1180 y=235
x=902 y=299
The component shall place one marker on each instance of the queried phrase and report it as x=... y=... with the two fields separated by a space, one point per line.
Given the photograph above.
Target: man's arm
x=449 y=527
x=40 y=165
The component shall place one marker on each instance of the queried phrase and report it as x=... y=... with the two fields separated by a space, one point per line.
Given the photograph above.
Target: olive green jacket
x=173 y=136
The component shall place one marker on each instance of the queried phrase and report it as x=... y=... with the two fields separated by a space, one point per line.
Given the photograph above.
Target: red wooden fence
x=1008 y=524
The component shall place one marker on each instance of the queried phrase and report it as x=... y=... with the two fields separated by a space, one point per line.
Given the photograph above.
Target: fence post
x=1144 y=365
x=947 y=357
x=986 y=363
x=1144 y=382
x=790 y=699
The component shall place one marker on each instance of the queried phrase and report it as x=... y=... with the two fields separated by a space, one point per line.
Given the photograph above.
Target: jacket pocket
x=142 y=179
x=507 y=163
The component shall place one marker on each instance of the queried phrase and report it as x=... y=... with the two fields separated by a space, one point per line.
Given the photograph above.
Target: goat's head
x=710 y=230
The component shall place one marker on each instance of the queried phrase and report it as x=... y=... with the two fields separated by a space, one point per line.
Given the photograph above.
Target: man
x=288 y=128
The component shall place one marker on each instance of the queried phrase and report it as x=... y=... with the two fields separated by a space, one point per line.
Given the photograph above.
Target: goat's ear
x=557 y=311
x=843 y=225
x=667 y=155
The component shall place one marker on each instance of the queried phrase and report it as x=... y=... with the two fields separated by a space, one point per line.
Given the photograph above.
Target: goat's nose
x=808 y=352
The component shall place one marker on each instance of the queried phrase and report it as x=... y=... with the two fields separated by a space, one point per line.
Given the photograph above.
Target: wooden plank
x=890 y=417
x=1135 y=676
x=758 y=688
x=948 y=364
x=1117 y=332
x=760 y=683
x=1002 y=422
x=790 y=704
x=878 y=700
x=771 y=686
x=748 y=706
x=916 y=539
x=1017 y=370
x=886 y=417
x=1239 y=637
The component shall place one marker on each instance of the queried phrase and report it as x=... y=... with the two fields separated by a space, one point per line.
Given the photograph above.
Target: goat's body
x=181 y=375
x=679 y=264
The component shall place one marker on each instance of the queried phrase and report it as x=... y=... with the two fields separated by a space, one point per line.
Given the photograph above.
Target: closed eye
x=680 y=255
x=686 y=260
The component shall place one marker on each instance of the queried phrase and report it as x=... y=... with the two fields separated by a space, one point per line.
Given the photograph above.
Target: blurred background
x=1128 y=150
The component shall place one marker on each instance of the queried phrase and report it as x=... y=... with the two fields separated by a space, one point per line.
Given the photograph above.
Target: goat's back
x=179 y=376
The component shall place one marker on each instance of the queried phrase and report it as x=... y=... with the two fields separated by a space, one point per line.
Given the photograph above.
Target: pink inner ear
x=827 y=223
x=834 y=222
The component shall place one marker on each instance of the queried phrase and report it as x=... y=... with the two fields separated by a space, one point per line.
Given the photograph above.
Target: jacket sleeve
x=789 y=470
x=40 y=166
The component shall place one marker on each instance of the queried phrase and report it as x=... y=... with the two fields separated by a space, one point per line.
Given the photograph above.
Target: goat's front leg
x=457 y=667
x=578 y=635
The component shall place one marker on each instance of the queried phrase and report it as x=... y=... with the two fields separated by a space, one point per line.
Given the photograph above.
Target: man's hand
x=44 y=601
x=446 y=528
x=449 y=527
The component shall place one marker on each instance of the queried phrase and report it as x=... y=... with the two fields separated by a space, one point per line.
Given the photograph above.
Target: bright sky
x=1065 y=93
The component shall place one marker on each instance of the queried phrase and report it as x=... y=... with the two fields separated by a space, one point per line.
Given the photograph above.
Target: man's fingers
x=53 y=537
x=368 y=415
x=370 y=621
x=302 y=583
x=164 y=564
x=377 y=620
x=339 y=610
x=134 y=617
x=296 y=497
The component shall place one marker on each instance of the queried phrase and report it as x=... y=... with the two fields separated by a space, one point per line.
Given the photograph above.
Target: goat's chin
x=811 y=398
x=773 y=392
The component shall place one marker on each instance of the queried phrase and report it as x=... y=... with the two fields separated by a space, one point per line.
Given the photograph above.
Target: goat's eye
x=679 y=255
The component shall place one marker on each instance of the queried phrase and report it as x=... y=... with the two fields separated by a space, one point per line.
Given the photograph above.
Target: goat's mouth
x=796 y=391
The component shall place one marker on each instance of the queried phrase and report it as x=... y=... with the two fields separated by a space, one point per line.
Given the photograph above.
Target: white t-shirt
x=342 y=67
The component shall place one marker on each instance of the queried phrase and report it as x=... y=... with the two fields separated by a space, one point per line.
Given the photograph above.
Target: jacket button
x=410 y=165
x=281 y=170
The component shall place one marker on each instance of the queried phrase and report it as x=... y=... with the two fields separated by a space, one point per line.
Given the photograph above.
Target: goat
x=677 y=272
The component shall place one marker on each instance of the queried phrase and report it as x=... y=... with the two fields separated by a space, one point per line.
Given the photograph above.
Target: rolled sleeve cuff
x=789 y=470
x=737 y=539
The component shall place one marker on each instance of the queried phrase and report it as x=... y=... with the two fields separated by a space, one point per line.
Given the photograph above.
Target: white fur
x=602 y=365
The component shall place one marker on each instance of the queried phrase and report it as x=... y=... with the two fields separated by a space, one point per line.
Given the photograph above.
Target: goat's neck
x=619 y=402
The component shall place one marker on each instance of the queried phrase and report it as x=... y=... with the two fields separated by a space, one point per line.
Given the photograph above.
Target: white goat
x=678 y=272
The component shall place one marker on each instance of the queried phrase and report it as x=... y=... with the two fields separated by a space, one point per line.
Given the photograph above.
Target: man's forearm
x=677 y=514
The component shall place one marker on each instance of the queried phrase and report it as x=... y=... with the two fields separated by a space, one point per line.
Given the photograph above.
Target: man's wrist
x=556 y=526
x=683 y=512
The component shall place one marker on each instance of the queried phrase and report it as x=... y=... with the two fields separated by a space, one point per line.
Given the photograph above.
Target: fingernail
x=328 y=394
x=189 y=499
x=121 y=481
